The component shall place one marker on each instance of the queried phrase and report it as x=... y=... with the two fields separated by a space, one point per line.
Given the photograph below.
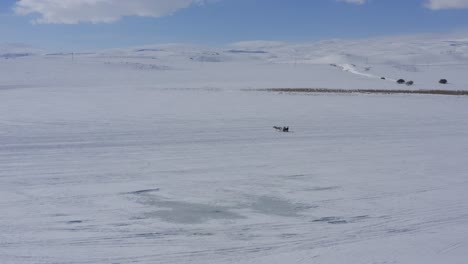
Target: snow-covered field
x=142 y=159
x=337 y=64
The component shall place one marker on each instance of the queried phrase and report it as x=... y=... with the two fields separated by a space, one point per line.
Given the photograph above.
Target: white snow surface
x=339 y=64
x=157 y=155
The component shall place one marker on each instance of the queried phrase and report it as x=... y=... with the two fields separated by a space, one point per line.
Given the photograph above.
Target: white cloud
x=98 y=11
x=446 y=4
x=357 y=2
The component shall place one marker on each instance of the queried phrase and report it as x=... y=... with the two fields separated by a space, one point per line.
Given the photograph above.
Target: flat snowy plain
x=112 y=159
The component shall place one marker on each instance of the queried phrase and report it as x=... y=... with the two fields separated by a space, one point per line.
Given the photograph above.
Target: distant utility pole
x=296 y=52
x=73 y=57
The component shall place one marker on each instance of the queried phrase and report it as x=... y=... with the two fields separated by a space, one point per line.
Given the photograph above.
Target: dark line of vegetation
x=365 y=91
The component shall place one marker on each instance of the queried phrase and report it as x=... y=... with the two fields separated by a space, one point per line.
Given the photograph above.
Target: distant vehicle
x=443 y=81
x=382 y=78
x=409 y=83
x=282 y=129
x=401 y=81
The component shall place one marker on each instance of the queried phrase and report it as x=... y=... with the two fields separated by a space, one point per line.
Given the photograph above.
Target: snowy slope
x=14 y=50
x=343 y=64
x=155 y=154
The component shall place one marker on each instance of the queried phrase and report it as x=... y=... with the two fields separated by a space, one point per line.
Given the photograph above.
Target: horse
x=282 y=129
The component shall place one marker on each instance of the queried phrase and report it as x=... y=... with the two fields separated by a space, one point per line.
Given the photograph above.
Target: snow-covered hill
x=257 y=64
x=14 y=50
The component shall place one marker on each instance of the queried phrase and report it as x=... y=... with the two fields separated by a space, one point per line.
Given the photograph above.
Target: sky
x=95 y=24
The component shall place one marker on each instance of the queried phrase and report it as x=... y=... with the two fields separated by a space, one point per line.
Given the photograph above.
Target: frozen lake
x=139 y=175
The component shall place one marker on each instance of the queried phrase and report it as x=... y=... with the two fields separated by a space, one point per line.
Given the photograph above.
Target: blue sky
x=221 y=21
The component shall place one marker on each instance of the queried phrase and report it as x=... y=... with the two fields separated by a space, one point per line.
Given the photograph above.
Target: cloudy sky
x=90 y=24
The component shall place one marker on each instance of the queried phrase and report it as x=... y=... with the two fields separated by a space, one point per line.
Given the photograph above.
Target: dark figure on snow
x=443 y=81
x=285 y=129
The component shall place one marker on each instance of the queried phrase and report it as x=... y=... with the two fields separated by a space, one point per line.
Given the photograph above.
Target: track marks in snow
x=351 y=68
x=340 y=220
x=145 y=191
x=451 y=247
